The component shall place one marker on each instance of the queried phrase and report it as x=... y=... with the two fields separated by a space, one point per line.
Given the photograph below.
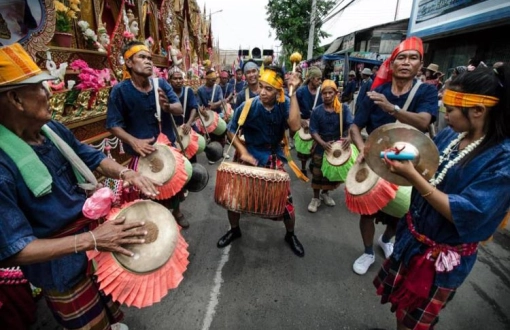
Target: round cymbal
x=160 y=241
x=185 y=138
x=360 y=179
x=337 y=156
x=159 y=165
x=407 y=139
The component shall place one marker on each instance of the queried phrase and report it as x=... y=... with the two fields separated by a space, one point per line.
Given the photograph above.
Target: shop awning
x=364 y=60
x=335 y=45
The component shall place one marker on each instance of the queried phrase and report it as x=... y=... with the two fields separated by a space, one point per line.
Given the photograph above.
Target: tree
x=291 y=21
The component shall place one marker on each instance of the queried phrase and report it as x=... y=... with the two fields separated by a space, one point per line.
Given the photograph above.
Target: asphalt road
x=258 y=283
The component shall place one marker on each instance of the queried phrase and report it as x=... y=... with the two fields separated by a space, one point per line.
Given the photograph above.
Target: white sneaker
x=386 y=247
x=119 y=326
x=327 y=199
x=362 y=264
x=314 y=204
x=211 y=162
x=226 y=156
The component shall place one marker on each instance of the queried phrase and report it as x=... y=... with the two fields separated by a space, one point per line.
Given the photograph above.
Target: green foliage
x=62 y=23
x=291 y=21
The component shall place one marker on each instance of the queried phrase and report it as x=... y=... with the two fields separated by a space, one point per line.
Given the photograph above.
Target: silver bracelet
x=95 y=242
x=123 y=171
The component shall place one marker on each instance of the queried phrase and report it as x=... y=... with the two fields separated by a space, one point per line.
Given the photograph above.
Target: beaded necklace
x=438 y=178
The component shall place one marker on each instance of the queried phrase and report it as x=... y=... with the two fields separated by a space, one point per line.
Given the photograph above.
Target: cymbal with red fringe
x=157 y=266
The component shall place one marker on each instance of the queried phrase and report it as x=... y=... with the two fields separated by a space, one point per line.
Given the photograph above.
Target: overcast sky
x=243 y=22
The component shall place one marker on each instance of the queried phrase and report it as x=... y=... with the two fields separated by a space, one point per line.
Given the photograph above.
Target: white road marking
x=215 y=292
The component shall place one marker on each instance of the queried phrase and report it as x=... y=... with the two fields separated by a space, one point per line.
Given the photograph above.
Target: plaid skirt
x=425 y=314
x=83 y=307
x=318 y=180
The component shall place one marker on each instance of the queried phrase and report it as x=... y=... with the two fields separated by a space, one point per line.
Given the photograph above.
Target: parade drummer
x=309 y=97
x=270 y=114
x=131 y=114
x=251 y=86
x=460 y=206
x=325 y=129
x=383 y=105
x=188 y=102
x=44 y=230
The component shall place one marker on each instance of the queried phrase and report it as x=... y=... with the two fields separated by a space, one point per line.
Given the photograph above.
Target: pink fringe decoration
x=139 y=290
x=99 y=204
x=372 y=201
x=192 y=148
x=211 y=127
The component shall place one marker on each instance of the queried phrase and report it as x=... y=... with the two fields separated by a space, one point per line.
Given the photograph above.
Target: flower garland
x=438 y=178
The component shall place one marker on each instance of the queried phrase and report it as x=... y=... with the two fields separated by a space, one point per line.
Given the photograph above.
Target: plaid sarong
x=318 y=180
x=425 y=315
x=83 y=306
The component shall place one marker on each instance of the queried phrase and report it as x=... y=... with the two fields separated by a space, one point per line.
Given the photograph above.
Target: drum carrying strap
x=286 y=149
x=432 y=129
x=184 y=106
x=316 y=97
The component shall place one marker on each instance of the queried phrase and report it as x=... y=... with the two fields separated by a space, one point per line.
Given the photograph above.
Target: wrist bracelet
x=429 y=193
x=95 y=242
x=123 y=171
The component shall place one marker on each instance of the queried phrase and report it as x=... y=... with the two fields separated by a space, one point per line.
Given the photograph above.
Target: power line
x=337 y=4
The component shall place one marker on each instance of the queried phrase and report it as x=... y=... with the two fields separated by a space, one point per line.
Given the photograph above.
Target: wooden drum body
x=253 y=190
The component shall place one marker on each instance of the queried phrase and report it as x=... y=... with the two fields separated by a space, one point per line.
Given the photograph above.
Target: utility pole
x=311 y=34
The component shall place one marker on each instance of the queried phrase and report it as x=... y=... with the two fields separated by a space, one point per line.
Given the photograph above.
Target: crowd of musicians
x=430 y=243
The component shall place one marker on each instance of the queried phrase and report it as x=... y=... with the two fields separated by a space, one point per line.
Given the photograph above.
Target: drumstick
x=177 y=136
x=155 y=83
x=203 y=124
x=295 y=58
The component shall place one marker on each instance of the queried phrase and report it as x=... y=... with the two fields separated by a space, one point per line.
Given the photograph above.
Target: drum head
x=159 y=165
x=209 y=119
x=338 y=156
x=360 y=179
x=160 y=241
x=304 y=134
x=185 y=138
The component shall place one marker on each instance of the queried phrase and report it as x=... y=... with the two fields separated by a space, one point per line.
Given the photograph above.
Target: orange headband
x=270 y=77
x=127 y=55
x=212 y=75
x=463 y=100
x=331 y=84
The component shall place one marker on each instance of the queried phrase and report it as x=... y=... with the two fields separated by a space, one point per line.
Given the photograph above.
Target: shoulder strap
x=411 y=95
x=244 y=113
x=246 y=94
x=185 y=101
x=316 y=98
x=213 y=92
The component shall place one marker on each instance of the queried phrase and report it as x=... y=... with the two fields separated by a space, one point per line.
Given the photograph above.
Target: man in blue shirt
x=383 y=105
x=309 y=97
x=43 y=228
x=366 y=84
x=227 y=87
x=269 y=116
x=188 y=102
x=251 y=89
x=131 y=114
x=349 y=88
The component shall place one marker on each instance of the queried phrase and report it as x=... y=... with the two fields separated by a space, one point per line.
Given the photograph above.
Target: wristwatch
x=396 y=108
